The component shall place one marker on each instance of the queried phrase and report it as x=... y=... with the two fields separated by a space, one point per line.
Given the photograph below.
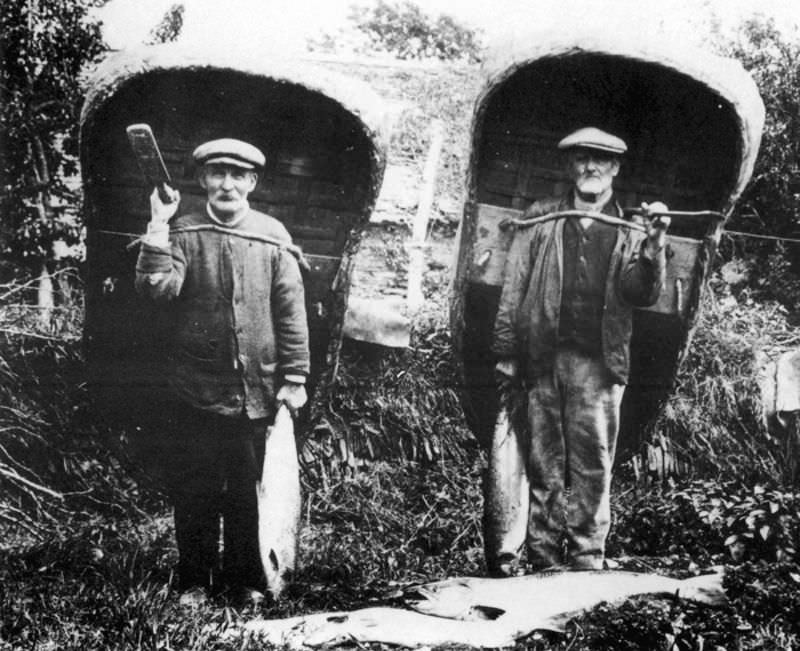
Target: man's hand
x=160 y=212
x=505 y=372
x=656 y=227
x=292 y=395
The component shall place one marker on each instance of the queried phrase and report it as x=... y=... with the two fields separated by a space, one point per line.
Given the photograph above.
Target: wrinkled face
x=592 y=170
x=227 y=187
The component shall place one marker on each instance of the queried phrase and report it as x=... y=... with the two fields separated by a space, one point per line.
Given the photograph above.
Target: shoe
x=586 y=562
x=193 y=598
x=504 y=566
x=506 y=570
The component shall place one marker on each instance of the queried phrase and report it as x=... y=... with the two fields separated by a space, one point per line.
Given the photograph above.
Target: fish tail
x=274 y=572
x=706 y=589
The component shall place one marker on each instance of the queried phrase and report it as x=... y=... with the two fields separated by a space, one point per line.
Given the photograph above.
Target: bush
x=771 y=202
x=767 y=594
x=715 y=417
x=54 y=462
x=404 y=31
x=710 y=522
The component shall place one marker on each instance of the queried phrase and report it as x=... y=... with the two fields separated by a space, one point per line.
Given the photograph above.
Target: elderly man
x=563 y=330
x=239 y=349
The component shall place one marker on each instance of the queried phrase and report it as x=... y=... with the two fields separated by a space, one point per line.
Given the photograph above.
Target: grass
x=716 y=416
x=101 y=577
x=108 y=583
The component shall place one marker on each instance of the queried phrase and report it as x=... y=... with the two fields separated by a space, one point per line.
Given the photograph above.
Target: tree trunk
x=44 y=296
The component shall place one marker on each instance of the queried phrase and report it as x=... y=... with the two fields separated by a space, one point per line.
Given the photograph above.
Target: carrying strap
x=295 y=250
x=248 y=235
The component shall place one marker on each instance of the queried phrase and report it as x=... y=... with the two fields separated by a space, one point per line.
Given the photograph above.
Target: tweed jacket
x=527 y=322
x=239 y=311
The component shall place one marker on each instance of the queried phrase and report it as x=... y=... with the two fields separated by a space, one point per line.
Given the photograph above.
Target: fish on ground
x=552 y=596
x=481 y=612
x=279 y=503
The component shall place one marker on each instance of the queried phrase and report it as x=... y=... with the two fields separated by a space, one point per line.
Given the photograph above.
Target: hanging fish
x=279 y=503
x=506 y=490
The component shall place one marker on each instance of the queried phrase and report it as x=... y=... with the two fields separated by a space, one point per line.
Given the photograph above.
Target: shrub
x=715 y=417
x=710 y=522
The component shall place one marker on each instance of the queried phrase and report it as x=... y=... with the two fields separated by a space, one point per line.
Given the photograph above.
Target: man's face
x=227 y=187
x=592 y=171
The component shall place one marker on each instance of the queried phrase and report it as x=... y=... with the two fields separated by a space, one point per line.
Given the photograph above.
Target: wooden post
x=419 y=227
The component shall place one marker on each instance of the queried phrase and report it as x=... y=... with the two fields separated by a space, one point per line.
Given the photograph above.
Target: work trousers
x=216 y=461
x=567 y=451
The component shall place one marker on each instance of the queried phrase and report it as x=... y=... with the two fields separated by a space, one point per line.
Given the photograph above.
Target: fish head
x=453 y=599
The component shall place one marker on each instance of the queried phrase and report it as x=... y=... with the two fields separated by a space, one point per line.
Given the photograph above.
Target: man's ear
x=615 y=167
x=200 y=175
x=253 y=181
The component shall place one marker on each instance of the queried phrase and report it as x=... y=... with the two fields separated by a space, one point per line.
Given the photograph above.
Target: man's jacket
x=526 y=327
x=238 y=302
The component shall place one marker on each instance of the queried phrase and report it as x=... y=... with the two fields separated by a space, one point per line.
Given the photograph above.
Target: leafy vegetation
x=170 y=26
x=403 y=30
x=710 y=522
x=715 y=418
x=45 y=46
x=771 y=202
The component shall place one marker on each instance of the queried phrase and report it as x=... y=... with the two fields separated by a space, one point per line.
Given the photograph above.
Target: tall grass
x=55 y=462
x=716 y=416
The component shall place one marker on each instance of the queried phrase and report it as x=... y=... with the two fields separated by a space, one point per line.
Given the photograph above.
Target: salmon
x=279 y=503
x=552 y=595
x=385 y=625
x=480 y=612
x=505 y=492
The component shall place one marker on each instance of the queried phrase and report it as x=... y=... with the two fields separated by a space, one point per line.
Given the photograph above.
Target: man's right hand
x=161 y=212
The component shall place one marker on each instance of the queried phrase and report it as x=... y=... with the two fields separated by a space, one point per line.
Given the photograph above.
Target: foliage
x=767 y=593
x=715 y=418
x=710 y=522
x=108 y=583
x=393 y=404
x=53 y=459
x=403 y=30
x=646 y=623
x=45 y=45
x=170 y=26
x=773 y=195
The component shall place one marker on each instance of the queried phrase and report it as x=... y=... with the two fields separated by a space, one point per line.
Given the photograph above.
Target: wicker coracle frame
x=325 y=137
x=692 y=122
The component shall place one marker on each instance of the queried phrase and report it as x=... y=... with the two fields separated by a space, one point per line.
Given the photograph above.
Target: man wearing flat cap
x=563 y=332
x=239 y=349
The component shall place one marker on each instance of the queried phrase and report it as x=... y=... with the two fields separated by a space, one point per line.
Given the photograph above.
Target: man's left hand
x=656 y=226
x=292 y=395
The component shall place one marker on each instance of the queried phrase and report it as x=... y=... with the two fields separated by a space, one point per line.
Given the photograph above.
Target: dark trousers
x=215 y=462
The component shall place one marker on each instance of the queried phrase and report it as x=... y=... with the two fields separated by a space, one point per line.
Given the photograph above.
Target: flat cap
x=594 y=138
x=230 y=151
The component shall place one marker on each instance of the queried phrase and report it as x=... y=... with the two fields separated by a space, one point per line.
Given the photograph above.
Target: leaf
x=730 y=540
x=764 y=531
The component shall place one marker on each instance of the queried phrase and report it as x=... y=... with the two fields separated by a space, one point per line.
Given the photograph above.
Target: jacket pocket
x=201 y=331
